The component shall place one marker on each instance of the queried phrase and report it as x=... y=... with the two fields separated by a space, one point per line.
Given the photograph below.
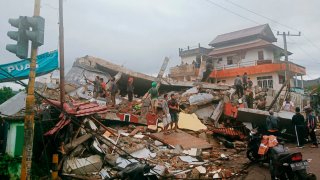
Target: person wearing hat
x=311 y=124
x=153 y=92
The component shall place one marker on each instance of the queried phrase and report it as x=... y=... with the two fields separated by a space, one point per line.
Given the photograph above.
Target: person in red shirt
x=103 y=88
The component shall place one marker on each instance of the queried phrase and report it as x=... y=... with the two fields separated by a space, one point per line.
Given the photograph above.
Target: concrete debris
x=201 y=169
x=190 y=122
x=83 y=166
x=112 y=138
x=193 y=152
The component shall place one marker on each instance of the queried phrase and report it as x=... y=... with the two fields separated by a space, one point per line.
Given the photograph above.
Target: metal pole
x=29 y=117
x=286 y=59
x=61 y=53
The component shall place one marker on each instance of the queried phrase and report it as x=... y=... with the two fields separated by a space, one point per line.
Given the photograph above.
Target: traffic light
x=37 y=33
x=23 y=35
x=21 y=48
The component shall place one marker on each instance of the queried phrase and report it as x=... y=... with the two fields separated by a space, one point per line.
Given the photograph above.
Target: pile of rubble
x=101 y=142
x=100 y=152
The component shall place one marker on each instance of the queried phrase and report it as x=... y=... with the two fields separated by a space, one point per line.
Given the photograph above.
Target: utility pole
x=61 y=53
x=29 y=117
x=287 y=71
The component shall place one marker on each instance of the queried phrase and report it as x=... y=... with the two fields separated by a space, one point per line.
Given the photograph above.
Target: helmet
x=154 y=84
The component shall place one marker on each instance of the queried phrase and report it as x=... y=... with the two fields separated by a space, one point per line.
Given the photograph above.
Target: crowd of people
x=167 y=109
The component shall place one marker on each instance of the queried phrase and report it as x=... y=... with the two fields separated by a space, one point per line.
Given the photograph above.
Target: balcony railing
x=256 y=67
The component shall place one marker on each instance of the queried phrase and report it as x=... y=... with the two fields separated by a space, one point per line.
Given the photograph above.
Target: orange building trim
x=258 y=69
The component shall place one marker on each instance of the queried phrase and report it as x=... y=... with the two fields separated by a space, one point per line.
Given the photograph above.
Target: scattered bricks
x=195 y=174
x=226 y=173
x=181 y=176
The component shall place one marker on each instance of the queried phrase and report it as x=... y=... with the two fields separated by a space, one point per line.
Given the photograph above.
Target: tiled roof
x=257 y=30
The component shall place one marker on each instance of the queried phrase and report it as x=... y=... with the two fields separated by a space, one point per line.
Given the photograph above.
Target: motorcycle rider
x=272 y=123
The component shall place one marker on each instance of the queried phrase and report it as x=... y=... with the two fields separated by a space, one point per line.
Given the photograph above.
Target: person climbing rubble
x=103 y=90
x=96 y=86
x=238 y=86
x=153 y=92
x=113 y=91
x=130 y=89
x=174 y=112
x=166 y=120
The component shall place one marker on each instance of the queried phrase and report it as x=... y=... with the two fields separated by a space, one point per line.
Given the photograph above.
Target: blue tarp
x=46 y=63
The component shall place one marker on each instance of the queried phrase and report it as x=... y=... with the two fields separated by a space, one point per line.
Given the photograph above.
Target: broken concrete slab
x=190 y=122
x=258 y=118
x=204 y=113
x=184 y=139
x=200 y=99
x=83 y=166
x=217 y=113
x=73 y=144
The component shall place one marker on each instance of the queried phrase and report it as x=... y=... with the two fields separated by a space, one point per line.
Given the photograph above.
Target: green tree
x=5 y=94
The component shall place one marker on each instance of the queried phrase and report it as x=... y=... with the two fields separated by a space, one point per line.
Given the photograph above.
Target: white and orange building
x=250 y=50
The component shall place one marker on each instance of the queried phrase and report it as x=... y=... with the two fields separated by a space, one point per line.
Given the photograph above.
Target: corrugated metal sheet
x=14 y=104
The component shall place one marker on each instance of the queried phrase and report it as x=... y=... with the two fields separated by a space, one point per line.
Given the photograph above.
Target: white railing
x=241 y=64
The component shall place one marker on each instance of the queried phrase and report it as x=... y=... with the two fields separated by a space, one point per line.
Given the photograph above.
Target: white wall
x=11 y=141
x=275 y=77
x=251 y=55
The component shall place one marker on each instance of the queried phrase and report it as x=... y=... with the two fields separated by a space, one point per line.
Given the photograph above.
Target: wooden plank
x=217 y=113
x=185 y=140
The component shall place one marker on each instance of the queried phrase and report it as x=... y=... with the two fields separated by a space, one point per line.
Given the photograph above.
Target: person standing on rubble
x=312 y=125
x=249 y=98
x=262 y=103
x=239 y=87
x=153 y=92
x=96 y=86
x=300 y=127
x=245 y=80
x=272 y=123
x=288 y=105
x=103 y=90
x=113 y=91
x=166 y=117
x=174 y=110
x=250 y=83
x=130 y=89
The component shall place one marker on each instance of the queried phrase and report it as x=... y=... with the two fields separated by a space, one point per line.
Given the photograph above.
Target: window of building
x=265 y=81
x=260 y=55
x=219 y=60
x=229 y=60
x=281 y=79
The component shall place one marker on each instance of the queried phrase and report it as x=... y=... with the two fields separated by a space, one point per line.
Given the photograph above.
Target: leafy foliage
x=5 y=94
x=10 y=166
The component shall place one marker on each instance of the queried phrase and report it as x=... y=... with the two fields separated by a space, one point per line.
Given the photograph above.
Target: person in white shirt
x=288 y=105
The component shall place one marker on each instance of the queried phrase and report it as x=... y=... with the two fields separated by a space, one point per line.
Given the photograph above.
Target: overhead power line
x=274 y=21
x=226 y=9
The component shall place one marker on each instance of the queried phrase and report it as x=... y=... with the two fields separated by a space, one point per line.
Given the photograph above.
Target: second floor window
x=229 y=60
x=260 y=55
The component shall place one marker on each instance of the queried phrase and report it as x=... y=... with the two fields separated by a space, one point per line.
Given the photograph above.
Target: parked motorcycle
x=282 y=164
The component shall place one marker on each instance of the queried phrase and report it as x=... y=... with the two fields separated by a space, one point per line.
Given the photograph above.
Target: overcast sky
x=139 y=34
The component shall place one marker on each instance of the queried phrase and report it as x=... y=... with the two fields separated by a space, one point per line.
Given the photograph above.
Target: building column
x=296 y=84
x=302 y=84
